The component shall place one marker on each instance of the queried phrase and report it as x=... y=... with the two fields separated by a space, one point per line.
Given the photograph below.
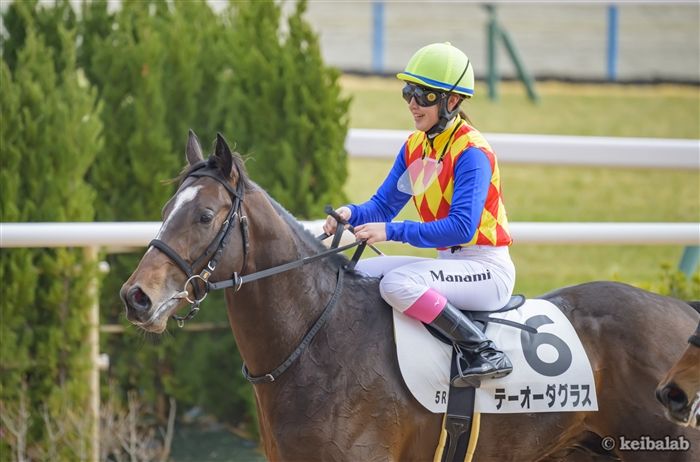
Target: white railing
x=551 y=149
x=139 y=234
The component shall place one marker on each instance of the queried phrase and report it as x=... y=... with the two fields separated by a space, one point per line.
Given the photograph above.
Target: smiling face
x=423 y=117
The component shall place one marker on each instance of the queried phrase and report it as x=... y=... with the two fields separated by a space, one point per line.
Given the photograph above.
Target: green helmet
x=442 y=67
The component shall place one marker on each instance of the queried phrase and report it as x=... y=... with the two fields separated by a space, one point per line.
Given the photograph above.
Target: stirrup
x=462 y=379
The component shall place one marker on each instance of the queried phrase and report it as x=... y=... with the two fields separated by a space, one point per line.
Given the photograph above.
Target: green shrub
x=675 y=283
x=50 y=135
x=284 y=108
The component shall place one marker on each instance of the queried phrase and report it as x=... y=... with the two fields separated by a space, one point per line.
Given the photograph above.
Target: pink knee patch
x=427 y=307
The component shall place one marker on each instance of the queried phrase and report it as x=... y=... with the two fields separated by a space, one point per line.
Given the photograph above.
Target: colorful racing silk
x=463 y=207
x=434 y=204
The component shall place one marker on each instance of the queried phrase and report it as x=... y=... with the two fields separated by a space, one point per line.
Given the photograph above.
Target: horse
x=339 y=396
x=679 y=390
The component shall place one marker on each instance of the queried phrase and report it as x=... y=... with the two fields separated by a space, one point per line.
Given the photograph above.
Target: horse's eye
x=206 y=217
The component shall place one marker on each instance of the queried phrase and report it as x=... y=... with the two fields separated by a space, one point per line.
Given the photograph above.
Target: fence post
x=523 y=75
x=492 y=71
x=378 y=36
x=690 y=260
x=90 y=254
x=612 y=43
x=495 y=32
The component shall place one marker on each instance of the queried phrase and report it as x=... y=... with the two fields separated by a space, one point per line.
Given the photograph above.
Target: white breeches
x=475 y=278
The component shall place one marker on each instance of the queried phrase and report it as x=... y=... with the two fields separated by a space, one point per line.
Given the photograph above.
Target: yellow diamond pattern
x=488 y=226
x=434 y=195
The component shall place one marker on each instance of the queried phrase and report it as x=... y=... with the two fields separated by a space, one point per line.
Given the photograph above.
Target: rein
x=279 y=370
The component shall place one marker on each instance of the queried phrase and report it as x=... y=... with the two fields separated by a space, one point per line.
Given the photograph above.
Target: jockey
x=449 y=171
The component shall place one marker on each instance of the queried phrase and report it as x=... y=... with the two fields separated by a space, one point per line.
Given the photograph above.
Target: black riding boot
x=485 y=360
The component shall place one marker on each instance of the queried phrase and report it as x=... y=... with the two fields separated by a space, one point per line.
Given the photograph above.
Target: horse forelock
x=304 y=234
x=214 y=163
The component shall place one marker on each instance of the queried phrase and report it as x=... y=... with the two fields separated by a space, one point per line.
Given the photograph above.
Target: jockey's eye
x=206 y=217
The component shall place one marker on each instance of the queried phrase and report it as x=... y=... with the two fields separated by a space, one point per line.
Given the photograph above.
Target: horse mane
x=306 y=236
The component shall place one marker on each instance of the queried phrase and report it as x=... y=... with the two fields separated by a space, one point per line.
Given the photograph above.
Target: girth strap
x=458 y=419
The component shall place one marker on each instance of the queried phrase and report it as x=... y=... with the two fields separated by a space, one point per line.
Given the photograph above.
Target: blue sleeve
x=472 y=177
x=387 y=202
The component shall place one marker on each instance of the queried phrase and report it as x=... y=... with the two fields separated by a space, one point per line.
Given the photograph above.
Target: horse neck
x=270 y=316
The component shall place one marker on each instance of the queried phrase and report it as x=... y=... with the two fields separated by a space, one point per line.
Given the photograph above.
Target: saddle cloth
x=551 y=372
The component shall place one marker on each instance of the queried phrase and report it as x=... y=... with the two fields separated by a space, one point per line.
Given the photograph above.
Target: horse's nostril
x=661 y=395
x=672 y=397
x=138 y=299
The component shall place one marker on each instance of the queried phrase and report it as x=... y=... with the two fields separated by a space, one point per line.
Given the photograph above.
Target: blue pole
x=612 y=42
x=378 y=37
x=690 y=260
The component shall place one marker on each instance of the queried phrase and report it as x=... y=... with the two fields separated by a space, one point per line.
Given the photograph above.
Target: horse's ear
x=194 y=149
x=223 y=155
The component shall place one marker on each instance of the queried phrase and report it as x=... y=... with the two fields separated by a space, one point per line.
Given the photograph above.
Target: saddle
x=482 y=318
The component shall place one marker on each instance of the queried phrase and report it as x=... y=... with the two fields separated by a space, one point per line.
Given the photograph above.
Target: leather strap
x=458 y=420
x=279 y=370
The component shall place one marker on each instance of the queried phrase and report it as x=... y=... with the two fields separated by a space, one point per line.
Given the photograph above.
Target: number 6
x=530 y=342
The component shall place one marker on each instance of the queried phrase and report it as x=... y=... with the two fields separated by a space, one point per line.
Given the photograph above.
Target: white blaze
x=183 y=198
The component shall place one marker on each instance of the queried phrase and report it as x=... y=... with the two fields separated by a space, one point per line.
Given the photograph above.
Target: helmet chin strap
x=444 y=114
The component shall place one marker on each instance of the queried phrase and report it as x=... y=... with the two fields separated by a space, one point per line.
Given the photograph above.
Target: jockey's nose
x=672 y=397
x=136 y=301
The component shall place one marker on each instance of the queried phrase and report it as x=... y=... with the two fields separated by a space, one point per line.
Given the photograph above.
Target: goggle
x=424 y=96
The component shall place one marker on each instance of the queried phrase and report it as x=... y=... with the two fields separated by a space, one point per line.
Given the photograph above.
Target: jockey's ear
x=454 y=101
x=224 y=158
x=194 y=150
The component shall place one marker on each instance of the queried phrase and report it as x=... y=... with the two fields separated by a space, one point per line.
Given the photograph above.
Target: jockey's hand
x=330 y=225
x=372 y=232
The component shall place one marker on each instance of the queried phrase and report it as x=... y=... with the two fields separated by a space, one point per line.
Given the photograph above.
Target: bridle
x=212 y=254
x=210 y=258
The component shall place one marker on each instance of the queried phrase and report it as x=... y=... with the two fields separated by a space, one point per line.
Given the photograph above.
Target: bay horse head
x=199 y=222
x=679 y=390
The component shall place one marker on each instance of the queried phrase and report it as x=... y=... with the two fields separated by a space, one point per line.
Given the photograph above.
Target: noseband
x=211 y=255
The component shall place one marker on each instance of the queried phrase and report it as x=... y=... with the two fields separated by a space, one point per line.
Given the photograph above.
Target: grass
x=553 y=193
x=655 y=111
